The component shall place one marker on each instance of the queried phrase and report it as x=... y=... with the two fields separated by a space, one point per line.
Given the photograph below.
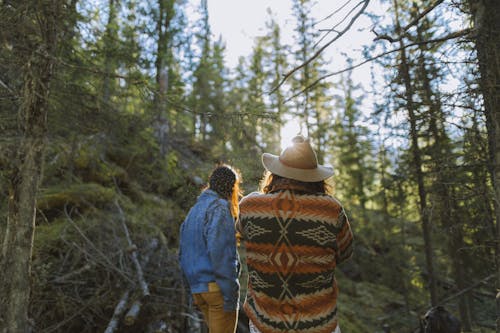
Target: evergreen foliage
x=142 y=105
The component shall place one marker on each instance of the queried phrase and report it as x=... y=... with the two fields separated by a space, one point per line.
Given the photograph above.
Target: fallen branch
x=106 y=262
x=119 y=309
x=159 y=327
x=133 y=312
x=133 y=254
x=62 y=279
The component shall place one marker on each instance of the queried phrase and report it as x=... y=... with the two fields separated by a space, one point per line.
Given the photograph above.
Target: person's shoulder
x=220 y=203
x=252 y=195
x=329 y=199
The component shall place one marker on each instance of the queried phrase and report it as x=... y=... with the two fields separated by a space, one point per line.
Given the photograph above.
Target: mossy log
x=79 y=195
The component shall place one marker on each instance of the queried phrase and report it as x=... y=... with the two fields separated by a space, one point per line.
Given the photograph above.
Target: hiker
x=295 y=235
x=207 y=250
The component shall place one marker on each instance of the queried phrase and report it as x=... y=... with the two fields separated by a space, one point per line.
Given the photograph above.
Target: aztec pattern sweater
x=294 y=242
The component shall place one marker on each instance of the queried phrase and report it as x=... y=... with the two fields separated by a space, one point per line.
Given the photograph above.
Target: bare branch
x=133 y=313
x=119 y=309
x=453 y=35
x=333 y=29
x=424 y=13
x=409 y=25
x=104 y=257
x=335 y=12
x=3 y=84
x=315 y=55
x=133 y=254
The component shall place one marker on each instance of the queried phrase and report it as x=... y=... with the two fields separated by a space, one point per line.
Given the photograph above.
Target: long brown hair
x=271 y=182
x=225 y=180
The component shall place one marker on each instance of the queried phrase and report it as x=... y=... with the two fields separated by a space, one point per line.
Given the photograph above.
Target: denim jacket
x=207 y=250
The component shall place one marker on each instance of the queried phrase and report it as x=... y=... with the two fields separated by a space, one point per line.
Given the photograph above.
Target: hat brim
x=273 y=164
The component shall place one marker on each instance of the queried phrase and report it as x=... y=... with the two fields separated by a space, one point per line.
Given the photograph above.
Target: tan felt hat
x=298 y=162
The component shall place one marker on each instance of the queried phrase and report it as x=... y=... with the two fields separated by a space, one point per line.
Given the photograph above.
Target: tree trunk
x=162 y=64
x=417 y=162
x=450 y=220
x=486 y=16
x=15 y=262
x=110 y=37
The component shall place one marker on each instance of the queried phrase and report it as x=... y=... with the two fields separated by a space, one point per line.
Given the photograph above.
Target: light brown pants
x=211 y=305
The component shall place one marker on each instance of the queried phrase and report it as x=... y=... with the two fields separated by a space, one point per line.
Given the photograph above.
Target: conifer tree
x=486 y=18
x=410 y=106
x=442 y=162
x=36 y=43
x=352 y=150
x=313 y=106
x=277 y=63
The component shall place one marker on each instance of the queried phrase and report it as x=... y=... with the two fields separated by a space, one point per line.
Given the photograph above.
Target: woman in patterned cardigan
x=295 y=234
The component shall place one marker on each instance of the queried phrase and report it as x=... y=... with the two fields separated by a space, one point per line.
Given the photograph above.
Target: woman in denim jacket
x=207 y=251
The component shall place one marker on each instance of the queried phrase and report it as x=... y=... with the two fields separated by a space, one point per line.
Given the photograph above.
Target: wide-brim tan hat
x=298 y=162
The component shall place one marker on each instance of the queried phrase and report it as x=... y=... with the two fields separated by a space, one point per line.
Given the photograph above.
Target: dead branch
x=6 y=87
x=335 y=12
x=424 y=13
x=463 y=291
x=135 y=308
x=133 y=312
x=62 y=279
x=133 y=254
x=453 y=35
x=152 y=245
x=159 y=327
x=119 y=309
x=408 y=26
x=315 y=55
x=333 y=29
x=105 y=258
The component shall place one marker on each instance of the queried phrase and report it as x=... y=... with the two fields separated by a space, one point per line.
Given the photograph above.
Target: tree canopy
x=113 y=113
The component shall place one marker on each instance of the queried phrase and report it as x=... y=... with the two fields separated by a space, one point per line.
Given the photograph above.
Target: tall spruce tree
x=35 y=40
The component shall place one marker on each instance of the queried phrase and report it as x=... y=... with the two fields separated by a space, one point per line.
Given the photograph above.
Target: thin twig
x=463 y=291
x=333 y=29
x=102 y=255
x=3 y=84
x=62 y=279
x=315 y=55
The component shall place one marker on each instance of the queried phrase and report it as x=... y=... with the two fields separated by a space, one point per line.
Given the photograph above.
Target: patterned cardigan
x=293 y=241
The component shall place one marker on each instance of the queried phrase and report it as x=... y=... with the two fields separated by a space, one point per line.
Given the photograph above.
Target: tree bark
x=15 y=263
x=486 y=17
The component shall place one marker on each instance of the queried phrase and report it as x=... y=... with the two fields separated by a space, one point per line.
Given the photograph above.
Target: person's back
x=291 y=241
x=295 y=234
x=207 y=251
